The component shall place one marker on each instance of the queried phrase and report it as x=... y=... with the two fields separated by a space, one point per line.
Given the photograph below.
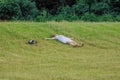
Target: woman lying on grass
x=65 y=40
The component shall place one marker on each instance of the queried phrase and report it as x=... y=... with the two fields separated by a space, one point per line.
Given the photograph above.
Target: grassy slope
x=99 y=59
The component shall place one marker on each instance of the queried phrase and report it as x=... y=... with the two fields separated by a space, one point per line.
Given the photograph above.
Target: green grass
x=99 y=59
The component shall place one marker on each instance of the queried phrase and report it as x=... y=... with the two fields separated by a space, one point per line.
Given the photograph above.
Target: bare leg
x=74 y=44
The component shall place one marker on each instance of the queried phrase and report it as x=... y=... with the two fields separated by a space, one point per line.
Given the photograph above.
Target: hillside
x=98 y=59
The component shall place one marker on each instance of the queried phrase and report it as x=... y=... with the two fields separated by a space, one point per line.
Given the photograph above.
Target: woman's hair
x=53 y=35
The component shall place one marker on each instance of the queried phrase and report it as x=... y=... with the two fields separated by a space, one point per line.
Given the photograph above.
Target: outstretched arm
x=49 y=38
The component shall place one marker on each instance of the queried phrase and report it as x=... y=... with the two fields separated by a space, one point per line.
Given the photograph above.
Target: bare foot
x=79 y=45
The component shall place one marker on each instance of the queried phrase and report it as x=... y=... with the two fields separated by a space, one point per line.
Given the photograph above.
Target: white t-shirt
x=62 y=38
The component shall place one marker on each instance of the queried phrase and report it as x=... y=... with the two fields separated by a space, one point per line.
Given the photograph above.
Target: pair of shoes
x=31 y=41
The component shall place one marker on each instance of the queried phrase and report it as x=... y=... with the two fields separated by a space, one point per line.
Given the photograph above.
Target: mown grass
x=99 y=59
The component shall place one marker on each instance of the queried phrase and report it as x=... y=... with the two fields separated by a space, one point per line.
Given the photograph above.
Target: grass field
x=99 y=59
